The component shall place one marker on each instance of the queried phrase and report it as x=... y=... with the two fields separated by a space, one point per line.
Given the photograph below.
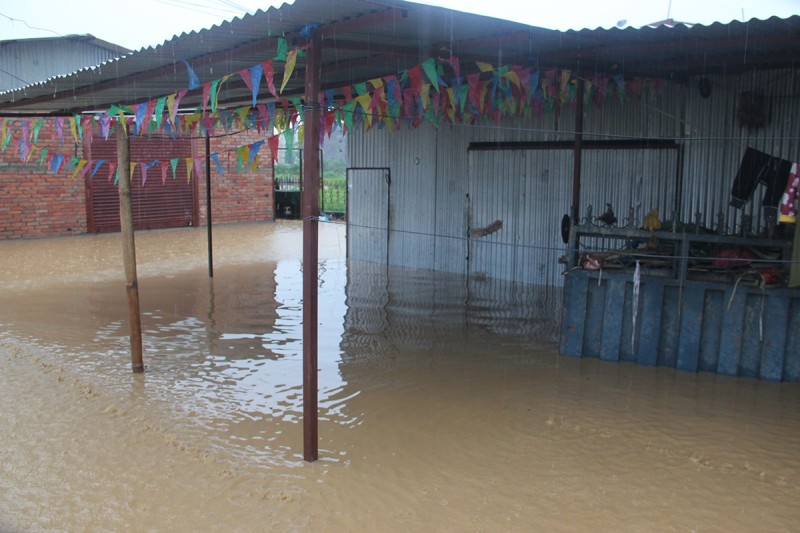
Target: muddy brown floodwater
x=444 y=405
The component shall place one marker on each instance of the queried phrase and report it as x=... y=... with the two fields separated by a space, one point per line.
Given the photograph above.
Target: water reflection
x=443 y=406
x=224 y=355
x=233 y=356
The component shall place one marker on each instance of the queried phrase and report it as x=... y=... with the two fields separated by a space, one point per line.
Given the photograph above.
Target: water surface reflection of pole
x=128 y=245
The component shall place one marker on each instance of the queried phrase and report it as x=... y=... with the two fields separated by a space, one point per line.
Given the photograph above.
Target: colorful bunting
x=420 y=93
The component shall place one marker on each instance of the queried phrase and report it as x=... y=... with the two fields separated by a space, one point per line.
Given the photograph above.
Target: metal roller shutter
x=155 y=205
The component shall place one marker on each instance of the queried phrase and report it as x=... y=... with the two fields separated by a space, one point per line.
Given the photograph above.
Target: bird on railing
x=608 y=218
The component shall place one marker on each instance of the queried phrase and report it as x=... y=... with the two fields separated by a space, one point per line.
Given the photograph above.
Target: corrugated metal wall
x=715 y=141
x=524 y=190
x=368 y=214
x=433 y=173
x=693 y=325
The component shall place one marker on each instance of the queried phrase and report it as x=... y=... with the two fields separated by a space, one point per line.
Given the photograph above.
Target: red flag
x=269 y=74
x=473 y=81
x=415 y=76
x=273 y=143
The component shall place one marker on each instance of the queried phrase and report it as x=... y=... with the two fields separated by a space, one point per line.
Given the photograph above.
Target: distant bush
x=333 y=195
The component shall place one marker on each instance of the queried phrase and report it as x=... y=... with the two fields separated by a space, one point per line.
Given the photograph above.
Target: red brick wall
x=33 y=201
x=236 y=196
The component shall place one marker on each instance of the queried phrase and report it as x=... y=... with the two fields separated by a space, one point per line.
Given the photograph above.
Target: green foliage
x=334 y=192
x=333 y=196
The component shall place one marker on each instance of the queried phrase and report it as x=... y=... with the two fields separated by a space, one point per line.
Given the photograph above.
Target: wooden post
x=310 y=212
x=208 y=207
x=128 y=245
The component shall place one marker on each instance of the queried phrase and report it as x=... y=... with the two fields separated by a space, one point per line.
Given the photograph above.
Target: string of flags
x=433 y=91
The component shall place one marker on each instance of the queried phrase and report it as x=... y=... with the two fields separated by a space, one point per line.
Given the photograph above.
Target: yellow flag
x=81 y=164
x=73 y=128
x=484 y=67
x=171 y=106
x=291 y=60
x=511 y=75
x=425 y=94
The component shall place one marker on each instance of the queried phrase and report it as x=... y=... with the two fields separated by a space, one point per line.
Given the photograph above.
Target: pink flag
x=206 y=95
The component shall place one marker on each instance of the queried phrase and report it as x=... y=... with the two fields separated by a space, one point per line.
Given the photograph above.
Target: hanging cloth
x=757 y=167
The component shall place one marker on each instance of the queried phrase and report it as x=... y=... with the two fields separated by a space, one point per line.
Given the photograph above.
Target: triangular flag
x=174 y=164
x=429 y=67
x=415 y=77
x=194 y=81
x=215 y=157
x=59 y=126
x=206 y=96
x=97 y=166
x=242 y=155
x=73 y=128
x=147 y=167
x=159 y=110
x=55 y=163
x=291 y=60
x=198 y=165
x=254 y=148
x=280 y=53
x=139 y=111
x=79 y=167
x=149 y=112
x=273 y=143
x=269 y=75
x=35 y=132
x=455 y=65
x=256 y=71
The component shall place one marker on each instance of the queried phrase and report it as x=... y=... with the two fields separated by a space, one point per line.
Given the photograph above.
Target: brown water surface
x=444 y=405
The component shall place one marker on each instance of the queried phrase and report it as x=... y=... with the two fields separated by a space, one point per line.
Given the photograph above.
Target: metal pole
x=208 y=207
x=576 y=176
x=577 y=152
x=129 y=245
x=310 y=212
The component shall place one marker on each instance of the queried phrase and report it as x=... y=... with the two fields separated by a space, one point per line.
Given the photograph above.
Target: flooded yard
x=444 y=405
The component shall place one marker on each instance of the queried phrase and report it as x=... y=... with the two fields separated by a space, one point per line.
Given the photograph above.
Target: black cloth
x=758 y=167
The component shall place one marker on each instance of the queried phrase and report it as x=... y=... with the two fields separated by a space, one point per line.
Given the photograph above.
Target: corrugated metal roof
x=23 y=61
x=83 y=38
x=365 y=39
